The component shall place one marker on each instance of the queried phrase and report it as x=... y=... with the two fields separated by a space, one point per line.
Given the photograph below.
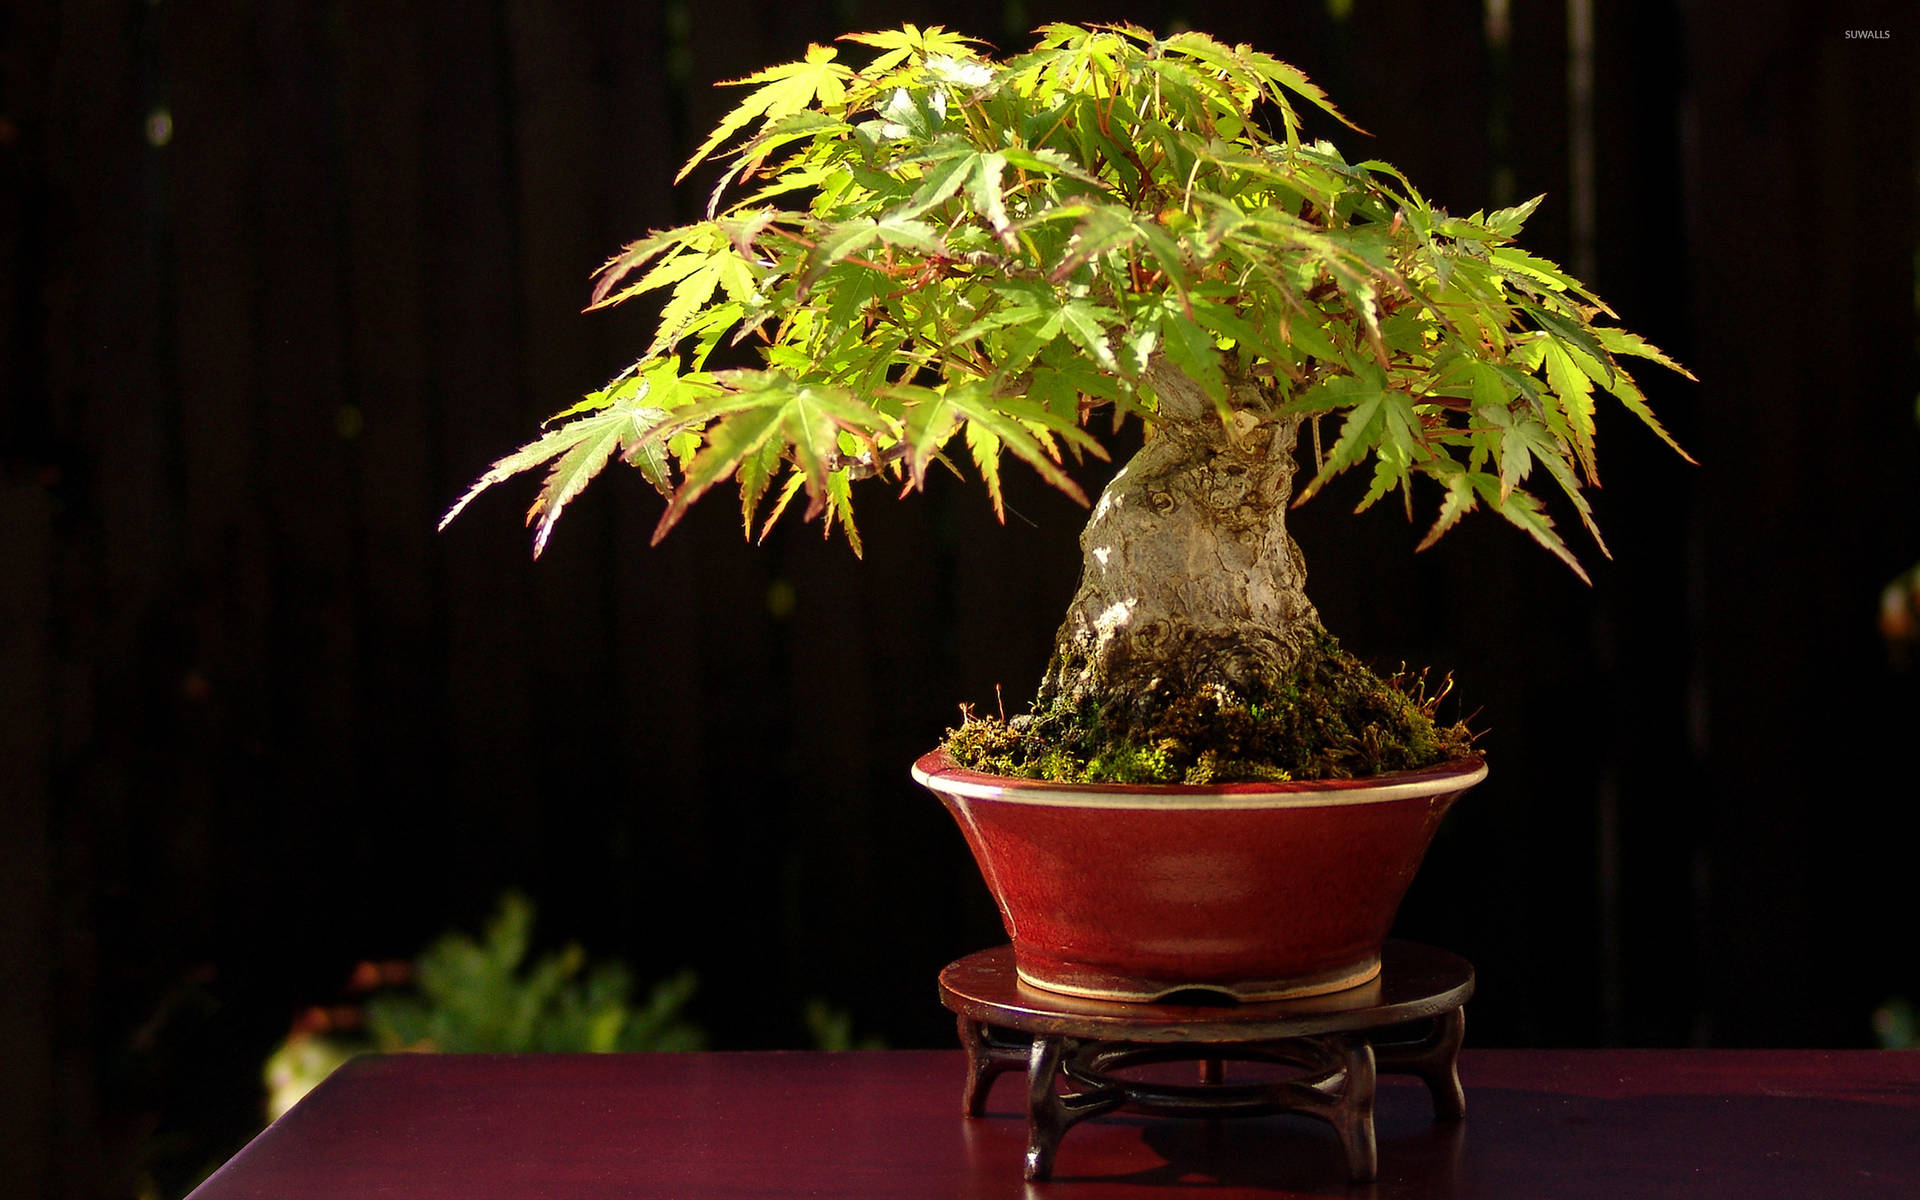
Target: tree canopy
x=937 y=246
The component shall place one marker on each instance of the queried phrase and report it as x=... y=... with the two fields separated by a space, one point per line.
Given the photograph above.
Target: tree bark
x=1191 y=579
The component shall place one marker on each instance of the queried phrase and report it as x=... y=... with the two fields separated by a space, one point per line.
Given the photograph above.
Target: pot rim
x=935 y=771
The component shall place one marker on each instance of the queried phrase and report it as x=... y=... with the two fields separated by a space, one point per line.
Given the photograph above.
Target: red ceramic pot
x=1259 y=890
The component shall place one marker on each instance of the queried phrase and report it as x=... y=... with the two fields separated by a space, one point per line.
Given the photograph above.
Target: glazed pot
x=1258 y=890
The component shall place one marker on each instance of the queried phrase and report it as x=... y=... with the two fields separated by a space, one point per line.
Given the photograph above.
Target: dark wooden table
x=1540 y=1125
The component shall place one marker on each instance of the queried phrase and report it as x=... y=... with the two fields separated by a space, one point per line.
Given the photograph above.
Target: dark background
x=281 y=278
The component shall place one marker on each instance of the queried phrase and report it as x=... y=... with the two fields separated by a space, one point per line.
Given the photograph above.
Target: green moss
x=1131 y=764
x=1330 y=717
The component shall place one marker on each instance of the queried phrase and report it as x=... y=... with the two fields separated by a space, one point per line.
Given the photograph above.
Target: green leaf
x=729 y=443
x=1190 y=347
x=578 y=451
x=1622 y=387
x=1360 y=432
x=696 y=272
x=1013 y=425
x=1575 y=389
x=983 y=189
x=930 y=420
x=1330 y=394
x=844 y=240
x=1391 y=468
x=788 y=89
x=811 y=421
x=1518 y=265
x=752 y=157
x=912 y=42
x=1083 y=322
x=948 y=166
x=1456 y=503
x=1622 y=342
x=1139 y=344
x=1516 y=447
x=1524 y=513
x=904 y=115
x=639 y=254
x=839 y=506
x=1625 y=391
x=1034 y=329
x=1103 y=228
x=1294 y=80
x=708 y=328
x=1304 y=332
x=1223 y=320
x=794 y=482
x=1065 y=382
x=1523 y=443
x=1043 y=161
x=985 y=448
x=1569 y=331
x=1507 y=221
x=759 y=417
x=755 y=475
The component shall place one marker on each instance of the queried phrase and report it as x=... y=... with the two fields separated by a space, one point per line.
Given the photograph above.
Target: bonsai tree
x=943 y=258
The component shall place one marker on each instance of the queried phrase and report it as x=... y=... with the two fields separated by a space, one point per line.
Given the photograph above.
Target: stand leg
x=1353 y=1117
x=1338 y=1089
x=1435 y=1058
x=1050 y=1112
x=1443 y=1078
x=1046 y=1120
x=987 y=1060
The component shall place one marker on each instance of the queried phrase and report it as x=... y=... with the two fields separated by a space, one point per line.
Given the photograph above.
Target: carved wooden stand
x=1409 y=1020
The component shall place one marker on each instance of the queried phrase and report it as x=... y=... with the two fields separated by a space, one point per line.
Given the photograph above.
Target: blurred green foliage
x=831 y=1028
x=473 y=996
x=1894 y=1026
x=482 y=995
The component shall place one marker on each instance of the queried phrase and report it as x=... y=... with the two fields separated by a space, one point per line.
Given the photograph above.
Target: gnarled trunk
x=1190 y=576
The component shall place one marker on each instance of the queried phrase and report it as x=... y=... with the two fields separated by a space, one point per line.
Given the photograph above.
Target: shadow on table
x=1522 y=1143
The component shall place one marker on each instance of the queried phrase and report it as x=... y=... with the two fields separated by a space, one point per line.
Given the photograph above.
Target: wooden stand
x=1409 y=1020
